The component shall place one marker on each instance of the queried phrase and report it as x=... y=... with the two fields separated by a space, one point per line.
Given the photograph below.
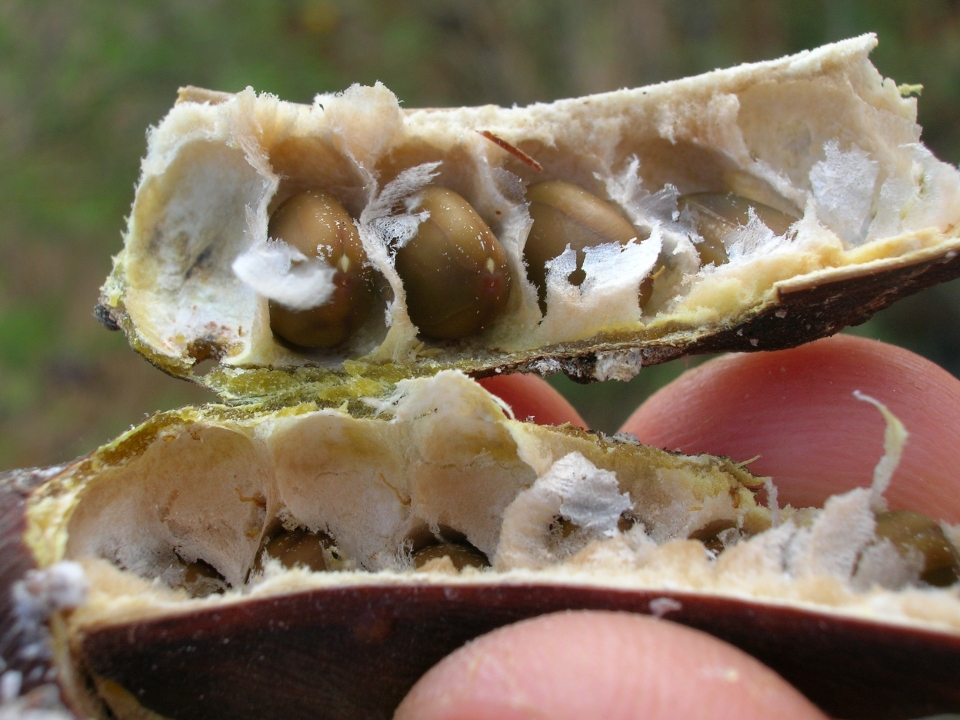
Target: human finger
x=575 y=665
x=794 y=410
x=532 y=397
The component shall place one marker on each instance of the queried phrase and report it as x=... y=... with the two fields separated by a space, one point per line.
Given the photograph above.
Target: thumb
x=616 y=666
x=795 y=409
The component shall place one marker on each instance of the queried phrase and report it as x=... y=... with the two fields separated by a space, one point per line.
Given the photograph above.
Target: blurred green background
x=80 y=81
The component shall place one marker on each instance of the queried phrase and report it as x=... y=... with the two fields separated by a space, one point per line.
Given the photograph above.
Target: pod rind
x=175 y=296
x=355 y=652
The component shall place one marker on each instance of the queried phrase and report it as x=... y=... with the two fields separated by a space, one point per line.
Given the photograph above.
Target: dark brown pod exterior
x=315 y=654
x=355 y=652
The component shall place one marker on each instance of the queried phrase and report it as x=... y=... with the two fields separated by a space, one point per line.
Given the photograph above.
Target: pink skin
x=793 y=408
x=530 y=396
x=615 y=666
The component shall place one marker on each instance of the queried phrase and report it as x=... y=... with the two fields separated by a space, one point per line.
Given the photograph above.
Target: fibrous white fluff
x=843 y=186
x=392 y=230
x=894 y=439
x=43 y=592
x=752 y=240
x=36 y=597
x=574 y=488
x=282 y=273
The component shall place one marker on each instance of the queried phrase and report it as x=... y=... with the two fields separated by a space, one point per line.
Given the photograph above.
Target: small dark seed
x=298 y=548
x=200 y=579
x=709 y=535
x=626 y=521
x=563 y=527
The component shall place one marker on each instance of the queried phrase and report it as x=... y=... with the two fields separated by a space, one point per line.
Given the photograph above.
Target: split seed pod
x=893 y=215
x=159 y=576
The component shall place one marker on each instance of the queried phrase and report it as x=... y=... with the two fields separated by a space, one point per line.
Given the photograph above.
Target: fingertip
x=532 y=397
x=601 y=664
x=795 y=409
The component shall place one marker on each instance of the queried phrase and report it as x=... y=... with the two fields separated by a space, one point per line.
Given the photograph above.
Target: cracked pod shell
x=142 y=585
x=566 y=519
x=820 y=135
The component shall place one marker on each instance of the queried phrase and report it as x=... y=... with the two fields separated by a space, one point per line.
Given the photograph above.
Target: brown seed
x=563 y=527
x=565 y=214
x=913 y=531
x=719 y=214
x=626 y=522
x=710 y=535
x=461 y=555
x=199 y=578
x=454 y=270
x=300 y=548
x=646 y=285
x=317 y=225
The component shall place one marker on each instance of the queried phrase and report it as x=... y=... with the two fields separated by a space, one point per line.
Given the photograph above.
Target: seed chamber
x=841 y=162
x=213 y=504
x=446 y=486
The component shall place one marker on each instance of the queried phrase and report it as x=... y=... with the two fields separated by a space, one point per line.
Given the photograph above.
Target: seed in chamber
x=446 y=542
x=454 y=269
x=199 y=578
x=627 y=521
x=717 y=535
x=562 y=527
x=462 y=555
x=318 y=226
x=913 y=532
x=315 y=551
x=565 y=214
x=718 y=215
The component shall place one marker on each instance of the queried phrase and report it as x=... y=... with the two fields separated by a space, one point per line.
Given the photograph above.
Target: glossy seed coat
x=566 y=214
x=716 y=215
x=297 y=548
x=317 y=225
x=915 y=532
x=454 y=269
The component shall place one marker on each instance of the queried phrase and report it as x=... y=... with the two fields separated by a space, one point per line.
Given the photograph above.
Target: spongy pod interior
x=820 y=136
x=442 y=458
x=442 y=453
